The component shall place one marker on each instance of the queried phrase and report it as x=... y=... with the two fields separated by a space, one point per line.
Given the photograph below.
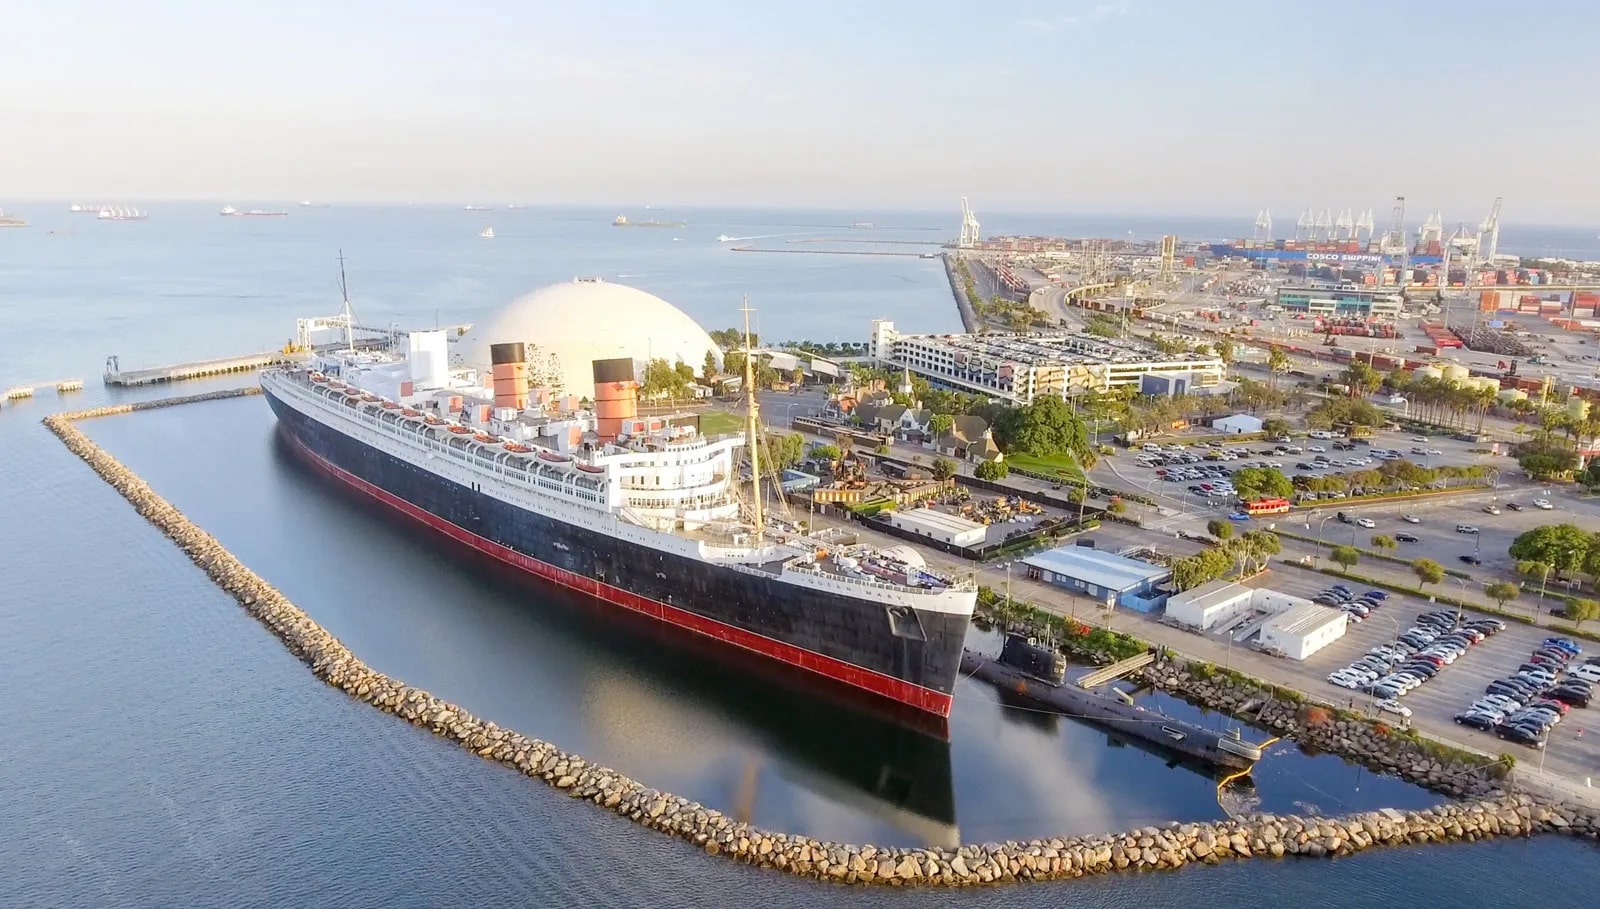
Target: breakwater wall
x=969 y=318
x=1171 y=846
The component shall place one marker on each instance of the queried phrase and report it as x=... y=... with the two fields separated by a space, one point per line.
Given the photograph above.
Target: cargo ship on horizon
x=622 y=221
x=644 y=513
x=228 y=211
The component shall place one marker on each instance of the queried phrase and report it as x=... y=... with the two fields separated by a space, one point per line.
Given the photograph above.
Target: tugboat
x=1037 y=673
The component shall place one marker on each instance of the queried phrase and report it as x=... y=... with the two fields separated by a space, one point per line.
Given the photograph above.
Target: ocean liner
x=641 y=512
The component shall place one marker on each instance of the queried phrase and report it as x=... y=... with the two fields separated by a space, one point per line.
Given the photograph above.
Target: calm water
x=163 y=750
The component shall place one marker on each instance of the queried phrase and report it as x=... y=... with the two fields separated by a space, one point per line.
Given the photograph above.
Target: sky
x=1099 y=106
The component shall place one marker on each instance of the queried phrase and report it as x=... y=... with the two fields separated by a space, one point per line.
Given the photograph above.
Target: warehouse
x=940 y=527
x=1299 y=632
x=1210 y=605
x=1107 y=578
x=1238 y=423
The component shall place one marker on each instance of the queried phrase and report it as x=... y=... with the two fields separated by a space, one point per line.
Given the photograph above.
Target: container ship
x=1332 y=252
x=622 y=221
x=643 y=513
x=228 y=211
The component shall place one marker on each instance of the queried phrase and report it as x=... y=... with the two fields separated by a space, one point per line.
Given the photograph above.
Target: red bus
x=1266 y=506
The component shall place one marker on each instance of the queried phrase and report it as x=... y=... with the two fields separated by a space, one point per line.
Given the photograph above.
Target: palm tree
x=1277 y=363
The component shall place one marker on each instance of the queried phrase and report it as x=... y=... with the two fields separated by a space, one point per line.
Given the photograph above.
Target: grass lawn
x=1058 y=466
x=714 y=423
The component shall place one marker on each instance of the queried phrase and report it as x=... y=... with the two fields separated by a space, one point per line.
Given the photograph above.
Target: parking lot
x=1457 y=685
x=1151 y=478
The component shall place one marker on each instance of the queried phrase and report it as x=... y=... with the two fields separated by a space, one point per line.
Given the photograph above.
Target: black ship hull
x=850 y=640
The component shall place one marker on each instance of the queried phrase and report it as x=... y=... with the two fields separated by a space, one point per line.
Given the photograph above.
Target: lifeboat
x=390 y=405
x=318 y=377
x=553 y=456
x=591 y=468
x=460 y=430
x=486 y=438
x=517 y=447
x=433 y=420
x=370 y=398
x=408 y=412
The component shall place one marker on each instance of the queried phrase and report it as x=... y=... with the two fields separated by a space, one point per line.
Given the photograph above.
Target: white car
x=1390 y=705
x=1542 y=504
x=1411 y=519
x=1315 y=449
x=1366 y=522
x=1345 y=681
x=1588 y=672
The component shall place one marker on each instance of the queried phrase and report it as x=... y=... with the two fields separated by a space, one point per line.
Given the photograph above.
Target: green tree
x=1219 y=528
x=1275 y=427
x=1262 y=482
x=708 y=370
x=784 y=449
x=798 y=377
x=991 y=470
x=1046 y=428
x=1580 y=611
x=1346 y=556
x=825 y=452
x=1383 y=542
x=940 y=425
x=733 y=364
x=1427 y=571
x=1117 y=506
x=663 y=380
x=1277 y=363
x=1502 y=592
x=1564 y=547
x=1226 y=353
x=943 y=469
x=1543 y=465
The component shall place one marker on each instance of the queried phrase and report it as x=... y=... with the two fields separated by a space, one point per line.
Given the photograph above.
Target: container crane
x=970 y=234
x=1346 y=222
x=1263 y=225
x=1489 y=235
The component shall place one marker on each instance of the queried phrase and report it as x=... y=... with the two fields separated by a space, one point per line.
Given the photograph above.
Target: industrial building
x=939 y=526
x=1340 y=302
x=1219 y=603
x=1106 y=577
x=1019 y=368
x=1237 y=424
x=1299 y=632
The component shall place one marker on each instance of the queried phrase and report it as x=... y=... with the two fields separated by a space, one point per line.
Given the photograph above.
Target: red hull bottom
x=897 y=690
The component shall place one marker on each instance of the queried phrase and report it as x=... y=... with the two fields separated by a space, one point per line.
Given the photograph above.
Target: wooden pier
x=177 y=372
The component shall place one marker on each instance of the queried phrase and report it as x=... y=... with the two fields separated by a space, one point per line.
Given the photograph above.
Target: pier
x=177 y=372
x=836 y=252
x=1116 y=670
x=26 y=389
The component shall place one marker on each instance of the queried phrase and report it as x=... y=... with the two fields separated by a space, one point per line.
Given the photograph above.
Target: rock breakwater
x=1149 y=848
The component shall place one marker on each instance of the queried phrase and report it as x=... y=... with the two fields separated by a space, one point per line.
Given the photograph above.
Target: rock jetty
x=1171 y=846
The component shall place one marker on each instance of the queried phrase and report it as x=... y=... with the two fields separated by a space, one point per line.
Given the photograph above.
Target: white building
x=1020 y=367
x=1210 y=605
x=1216 y=604
x=939 y=526
x=1304 y=630
x=1238 y=423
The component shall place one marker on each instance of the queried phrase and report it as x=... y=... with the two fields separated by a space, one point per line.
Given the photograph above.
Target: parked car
x=1520 y=735
x=1476 y=720
x=1513 y=506
x=1390 y=705
x=1542 y=504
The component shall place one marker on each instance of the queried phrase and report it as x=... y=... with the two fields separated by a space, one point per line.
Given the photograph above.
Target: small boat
x=485 y=437
x=390 y=405
x=591 y=468
x=554 y=456
x=487 y=233
x=460 y=430
x=518 y=447
x=432 y=420
x=370 y=398
x=318 y=377
x=408 y=412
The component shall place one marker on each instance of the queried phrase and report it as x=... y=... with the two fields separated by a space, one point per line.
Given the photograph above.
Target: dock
x=1116 y=670
x=177 y=372
x=835 y=252
x=27 y=389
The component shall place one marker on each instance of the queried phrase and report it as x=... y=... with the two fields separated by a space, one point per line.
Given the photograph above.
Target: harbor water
x=164 y=750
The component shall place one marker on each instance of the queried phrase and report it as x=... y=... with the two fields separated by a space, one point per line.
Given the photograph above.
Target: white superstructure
x=660 y=484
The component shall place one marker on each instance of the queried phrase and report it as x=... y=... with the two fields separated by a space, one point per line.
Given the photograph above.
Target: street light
x=1320 y=525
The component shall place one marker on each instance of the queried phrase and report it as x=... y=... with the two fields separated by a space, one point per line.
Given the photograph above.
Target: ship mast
x=349 y=319
x=752 y=429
